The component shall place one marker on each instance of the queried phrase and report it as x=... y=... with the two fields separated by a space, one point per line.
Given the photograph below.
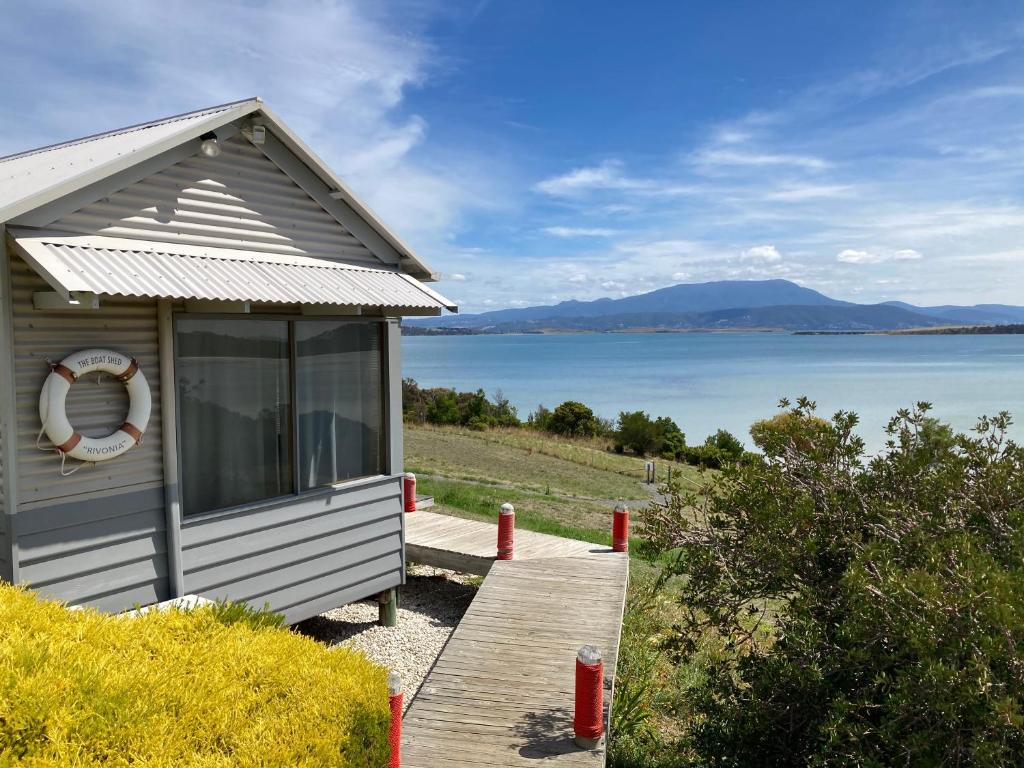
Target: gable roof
x=40 y=176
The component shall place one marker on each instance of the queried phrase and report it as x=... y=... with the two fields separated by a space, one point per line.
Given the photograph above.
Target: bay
x=707 y=381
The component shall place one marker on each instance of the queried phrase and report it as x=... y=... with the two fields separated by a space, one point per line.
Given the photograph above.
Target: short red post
x=395 y=734
x=409 y=491
x=506 y=531
x=620 y=529
x=588 y=718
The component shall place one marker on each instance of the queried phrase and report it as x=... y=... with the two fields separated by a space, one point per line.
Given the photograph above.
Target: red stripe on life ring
x=128 y=372
x=69 y=445
x=65 y=373
x=132 y=430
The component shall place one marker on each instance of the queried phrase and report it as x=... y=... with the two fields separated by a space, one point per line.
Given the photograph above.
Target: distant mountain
x=979 y=314
x=686 y=297
x=725 y=305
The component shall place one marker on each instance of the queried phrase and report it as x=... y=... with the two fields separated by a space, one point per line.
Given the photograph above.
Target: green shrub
x=241 y=613
x=213 y=687
x=447 y=407
x=641 y=434
x=727 y=443
x=540 y=419
x=868 y=611
x=573 y=419
x=703 y=456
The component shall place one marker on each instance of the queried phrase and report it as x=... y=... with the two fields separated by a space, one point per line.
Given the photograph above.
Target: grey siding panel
x=6 y=409
x=109 y=552
x=97 y=536
x=124 y=325
x=239 y=199
x=321 y=550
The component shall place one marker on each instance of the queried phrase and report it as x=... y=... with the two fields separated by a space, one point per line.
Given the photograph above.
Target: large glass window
x=338 y=390
x=271 y=407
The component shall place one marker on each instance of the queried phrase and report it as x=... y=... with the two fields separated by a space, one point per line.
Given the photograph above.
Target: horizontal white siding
x=127 y=326
x=238 y=199
x=301 y=557
x=96 y=536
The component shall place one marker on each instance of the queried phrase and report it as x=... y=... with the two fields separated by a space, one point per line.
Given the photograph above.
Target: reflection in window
x=235 y=411
x=238 y=413
x=339 y=401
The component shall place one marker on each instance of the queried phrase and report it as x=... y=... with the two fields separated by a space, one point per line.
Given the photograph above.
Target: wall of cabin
x=99 y=536
x=96 y=536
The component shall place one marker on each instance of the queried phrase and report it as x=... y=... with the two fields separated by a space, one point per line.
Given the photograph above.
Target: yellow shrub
x=79 y=688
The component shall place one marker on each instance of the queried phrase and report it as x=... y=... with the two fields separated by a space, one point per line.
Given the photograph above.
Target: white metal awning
x=83 y=264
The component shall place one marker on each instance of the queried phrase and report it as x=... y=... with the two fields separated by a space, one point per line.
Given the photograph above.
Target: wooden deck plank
x=501 y=693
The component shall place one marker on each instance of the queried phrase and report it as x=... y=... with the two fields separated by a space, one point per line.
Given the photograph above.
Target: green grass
x=480 y=502
x=531 y=461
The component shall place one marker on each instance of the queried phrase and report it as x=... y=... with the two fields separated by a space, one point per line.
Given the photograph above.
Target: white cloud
x=458 y=277
x=795 y=193
x=729 y=157
x=763 y=253
x=850 y=256
x=580 y=231
x=607 y=175
x=907 y=254
x=337 y=72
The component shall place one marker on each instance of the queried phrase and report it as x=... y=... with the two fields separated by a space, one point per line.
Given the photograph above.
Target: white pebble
x=430 y=605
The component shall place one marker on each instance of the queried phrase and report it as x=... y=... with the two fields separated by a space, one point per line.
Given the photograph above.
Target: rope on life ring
x=53 y=406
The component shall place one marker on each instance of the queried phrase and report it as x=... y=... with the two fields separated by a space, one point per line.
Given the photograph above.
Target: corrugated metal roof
x=123 y=267
x=28 y=174
x=32 y=179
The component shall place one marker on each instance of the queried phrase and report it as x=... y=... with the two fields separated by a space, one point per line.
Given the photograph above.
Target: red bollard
x=395 y=735
x=620 y=529
x=506 y=531
x=409 y=491
x=588 y=719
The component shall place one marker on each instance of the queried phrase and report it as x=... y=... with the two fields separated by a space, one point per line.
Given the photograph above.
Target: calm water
x=710 y=380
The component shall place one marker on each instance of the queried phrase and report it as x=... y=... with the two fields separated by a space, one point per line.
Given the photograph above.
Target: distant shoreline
x=969 y=330
x=946 y=330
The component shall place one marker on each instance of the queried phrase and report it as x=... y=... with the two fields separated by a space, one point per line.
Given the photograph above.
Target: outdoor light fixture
x=210 y=147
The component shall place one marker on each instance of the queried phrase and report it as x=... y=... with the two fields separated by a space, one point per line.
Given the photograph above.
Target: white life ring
x=53 y=412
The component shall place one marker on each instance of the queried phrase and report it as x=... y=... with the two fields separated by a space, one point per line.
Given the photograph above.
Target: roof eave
x=415 y=266
x=123 y=162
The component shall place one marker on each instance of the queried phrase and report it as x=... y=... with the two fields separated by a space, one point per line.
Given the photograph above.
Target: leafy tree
x=706 y=455
x=727 y=444
x=504 y=413
x=637 y=432
x=642 y=435
x=843 y=610
x=674 y=445
x=443 y=407
x=446 y=406
x=574 y=419
x=540 y=419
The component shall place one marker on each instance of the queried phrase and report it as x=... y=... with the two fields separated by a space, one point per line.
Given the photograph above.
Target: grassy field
x=569 y=488
x=564 y=487
x=532 y=461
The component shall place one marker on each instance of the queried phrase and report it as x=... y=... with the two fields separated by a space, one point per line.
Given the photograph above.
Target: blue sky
x=540 y=151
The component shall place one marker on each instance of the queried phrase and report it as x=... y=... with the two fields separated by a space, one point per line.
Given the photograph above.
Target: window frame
x=387 y=460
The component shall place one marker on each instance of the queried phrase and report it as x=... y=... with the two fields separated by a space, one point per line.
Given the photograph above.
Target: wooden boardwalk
x=470 y=546
x=502 y=691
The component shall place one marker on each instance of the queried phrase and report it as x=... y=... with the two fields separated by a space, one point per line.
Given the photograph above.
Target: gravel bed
x=430 y=605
